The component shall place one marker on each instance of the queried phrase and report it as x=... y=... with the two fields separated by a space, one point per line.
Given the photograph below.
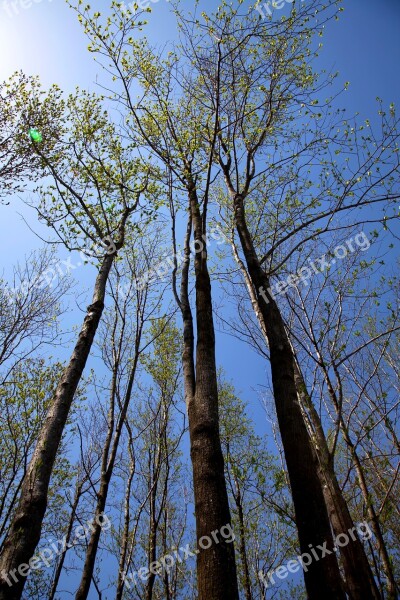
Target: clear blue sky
x=45 y=39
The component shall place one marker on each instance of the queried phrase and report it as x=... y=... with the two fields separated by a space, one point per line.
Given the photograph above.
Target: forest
x=199 y=367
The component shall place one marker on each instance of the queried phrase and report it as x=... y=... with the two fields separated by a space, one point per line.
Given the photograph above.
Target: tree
x=98 y=203
x=125 y=326
x=30 y=307
x=340 y=342
x=169 y=133
x=24 y=401
x=159 y=521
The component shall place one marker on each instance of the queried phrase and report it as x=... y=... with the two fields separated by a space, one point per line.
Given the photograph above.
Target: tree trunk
x=25 y=529
x=216 y=567
x=360 y=582
x=152 y=552
x=60 y=564
x=127 y=514
x=242 y=544
x=107 y=467
x=323 y=577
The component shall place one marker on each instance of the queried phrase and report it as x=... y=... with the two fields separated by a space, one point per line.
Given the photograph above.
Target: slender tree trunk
x=25 y=530
x=322 y=579
x=375 y=525
x=152 y=554
x=376 y=528
x=60 y=564
x=167 y=590
x=360 y=582
x=108 y=461
x=242 y=544
x=216 y=567
x=127 y=518
x=154 y=518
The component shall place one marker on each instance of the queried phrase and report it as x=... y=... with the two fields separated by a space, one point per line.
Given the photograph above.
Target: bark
x=25 y=529
x=322 y=578
x=360 y=582
x=216 y=567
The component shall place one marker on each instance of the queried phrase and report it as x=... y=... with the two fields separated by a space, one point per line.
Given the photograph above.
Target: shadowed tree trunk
x=216 y=567
x=360 y=582
x=323 y=577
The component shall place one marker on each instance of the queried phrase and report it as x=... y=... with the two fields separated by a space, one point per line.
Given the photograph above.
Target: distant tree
x=343 y=344
x=127 y=331
x=30 y=307
x=24 y=401
x=160 y=508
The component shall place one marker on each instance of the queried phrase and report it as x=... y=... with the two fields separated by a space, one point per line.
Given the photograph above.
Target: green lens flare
x=35 y=135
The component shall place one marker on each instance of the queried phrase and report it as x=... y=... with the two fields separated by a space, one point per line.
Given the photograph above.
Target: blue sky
x=45 y=39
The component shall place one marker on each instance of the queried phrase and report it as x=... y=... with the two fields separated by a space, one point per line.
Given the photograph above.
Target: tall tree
x=159 y=519
x=254 y=75
x=339 y=337
x=169 y=131
x=262 y=509
x=97 y=187
x=126 y=334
